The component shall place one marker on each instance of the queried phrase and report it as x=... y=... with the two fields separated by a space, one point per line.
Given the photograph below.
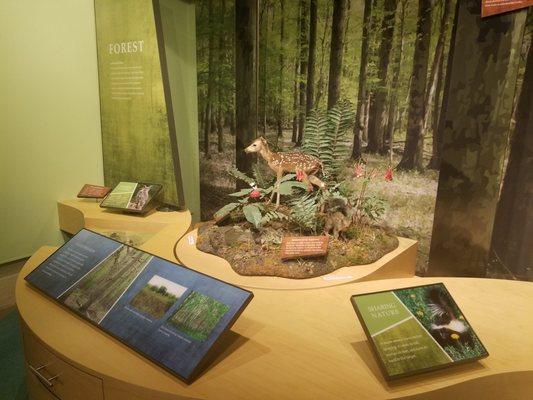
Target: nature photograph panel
x=172 y=315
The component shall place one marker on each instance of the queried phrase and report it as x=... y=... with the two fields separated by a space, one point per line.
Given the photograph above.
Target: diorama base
x=259 y=253
x=400 y=262
x=288 y=344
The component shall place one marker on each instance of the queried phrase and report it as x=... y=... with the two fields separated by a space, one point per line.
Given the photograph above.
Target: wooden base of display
x=399 y=263
x=288 y=344
x=157 y=226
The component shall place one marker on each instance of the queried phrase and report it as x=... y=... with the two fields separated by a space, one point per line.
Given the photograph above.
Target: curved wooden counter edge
x=303 y=344
x=399 y=263
x=76 y=214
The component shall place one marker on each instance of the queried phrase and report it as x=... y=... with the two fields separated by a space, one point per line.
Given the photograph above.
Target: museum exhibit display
x=139 y=108
x=135 y=197
x=169 y=313
x=310 y=199
x=417 y=329
x=93 y=192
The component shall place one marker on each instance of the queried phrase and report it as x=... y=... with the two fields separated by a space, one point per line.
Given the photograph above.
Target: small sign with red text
x=493 y=7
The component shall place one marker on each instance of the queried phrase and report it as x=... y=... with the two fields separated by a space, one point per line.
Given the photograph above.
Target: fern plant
x=326 y=136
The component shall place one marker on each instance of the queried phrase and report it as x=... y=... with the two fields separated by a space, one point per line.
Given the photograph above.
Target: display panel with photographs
x=132 y=196
x=169 y=313
x=417 y=329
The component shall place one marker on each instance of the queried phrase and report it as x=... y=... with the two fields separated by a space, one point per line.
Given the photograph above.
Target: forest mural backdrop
x=435 y=89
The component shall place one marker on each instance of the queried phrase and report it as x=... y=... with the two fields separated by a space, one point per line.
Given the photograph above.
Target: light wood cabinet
x=49 y=377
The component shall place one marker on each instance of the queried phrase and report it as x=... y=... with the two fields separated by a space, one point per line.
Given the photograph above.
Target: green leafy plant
x=304 y=212
x=248 y=201
x=326 y=136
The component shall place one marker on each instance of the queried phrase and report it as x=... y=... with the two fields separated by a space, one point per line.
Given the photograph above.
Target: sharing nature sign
x=417 y=329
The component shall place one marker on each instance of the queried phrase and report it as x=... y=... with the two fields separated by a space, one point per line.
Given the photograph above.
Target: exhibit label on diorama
x=136 y=140
x=417 y=329
x=493 y=7
x=303 y=247
x=169 y=313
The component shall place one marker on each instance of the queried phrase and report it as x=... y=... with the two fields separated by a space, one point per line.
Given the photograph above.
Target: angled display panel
x=132 y=197
x=169 y=313
x=417 y=329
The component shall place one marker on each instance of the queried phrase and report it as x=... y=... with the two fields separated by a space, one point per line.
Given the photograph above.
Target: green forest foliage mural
x=388 y=58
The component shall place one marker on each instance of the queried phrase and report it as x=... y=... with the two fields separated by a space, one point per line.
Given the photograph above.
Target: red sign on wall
x=493 y=7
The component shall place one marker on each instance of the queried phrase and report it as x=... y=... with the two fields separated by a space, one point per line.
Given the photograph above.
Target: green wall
x=50 y=141
x=179 y=31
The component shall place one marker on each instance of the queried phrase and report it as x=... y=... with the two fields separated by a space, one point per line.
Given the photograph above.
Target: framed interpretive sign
x=132 y=196
x=170 y=314
x=416 y=329
x=93 y=192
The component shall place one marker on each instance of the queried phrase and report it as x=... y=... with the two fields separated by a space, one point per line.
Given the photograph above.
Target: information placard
x=132 y=196
x=93 y=192
x=169 y=313
x=417 y=329
x=303 y=247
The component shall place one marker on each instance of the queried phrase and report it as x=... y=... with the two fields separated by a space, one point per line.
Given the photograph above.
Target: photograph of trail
x=156 y=298
x=265 y=66
x=95 y=294
x=198 y=315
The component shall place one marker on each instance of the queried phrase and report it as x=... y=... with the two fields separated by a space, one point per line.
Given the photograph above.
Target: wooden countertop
x=306 y=344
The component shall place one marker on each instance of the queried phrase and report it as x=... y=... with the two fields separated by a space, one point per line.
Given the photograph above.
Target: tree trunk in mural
x=281 y=69
x=361 y=90
x=475 y=128
x=346 y=45
x=414 y=142
x=296 y=95
x=310 y=95
x=513 y=225
x=208 y=126
x=304 y=48
x=438 y=121
x=321 y=79
x=393 y=100
x=220 y=66
x=434 y=162
x=378 y=117
x=335 y=57
x=435 y=79
x=245 y=81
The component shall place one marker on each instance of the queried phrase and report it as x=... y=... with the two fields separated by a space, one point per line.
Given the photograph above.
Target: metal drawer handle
x=46 y=381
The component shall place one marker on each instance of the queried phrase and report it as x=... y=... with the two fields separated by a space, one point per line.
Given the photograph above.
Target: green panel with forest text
x=135 y=132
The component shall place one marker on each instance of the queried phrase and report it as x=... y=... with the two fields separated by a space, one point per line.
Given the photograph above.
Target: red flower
x=359 y=170
x=299 y=175
x=388 y=174
x=255 y=194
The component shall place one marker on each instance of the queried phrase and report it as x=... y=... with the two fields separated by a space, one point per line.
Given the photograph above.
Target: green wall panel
x=50 y=142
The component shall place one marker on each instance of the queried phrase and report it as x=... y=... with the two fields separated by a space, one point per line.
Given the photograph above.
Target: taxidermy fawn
x=304 y=165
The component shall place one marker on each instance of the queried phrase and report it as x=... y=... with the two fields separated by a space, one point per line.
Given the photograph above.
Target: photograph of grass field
x=94 y=294
x=156 y=298
x=435 y=309
x=198 y=315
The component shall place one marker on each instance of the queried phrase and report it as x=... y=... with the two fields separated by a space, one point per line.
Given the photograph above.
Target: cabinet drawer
x=50 y=372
